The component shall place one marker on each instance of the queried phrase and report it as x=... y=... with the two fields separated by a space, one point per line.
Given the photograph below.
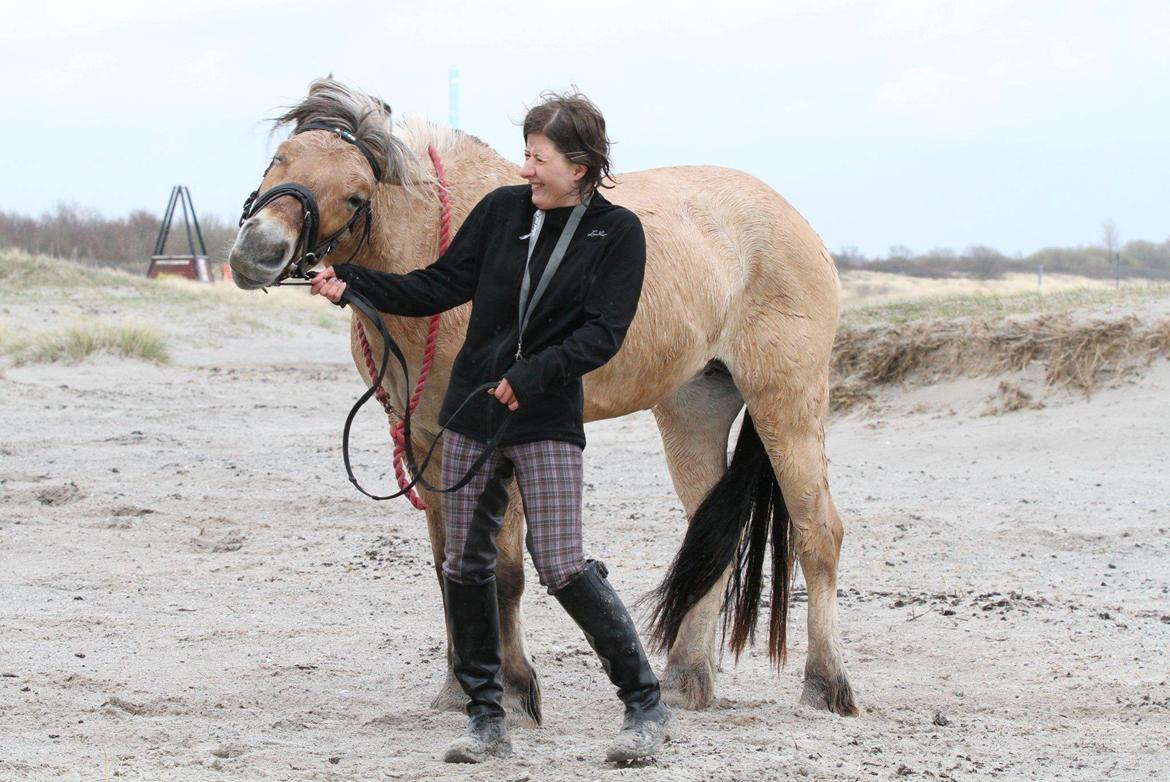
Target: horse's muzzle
x=260 y=254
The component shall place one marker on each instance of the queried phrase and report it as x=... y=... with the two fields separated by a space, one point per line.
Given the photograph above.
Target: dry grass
x=849 y=393
x=21 y=272
x=860 y=287
x=989 y=305
x=1083 y=337
x=1009 y=398
x=81 y=340
x=222 y=306
x=973 y=332
x=1077 y=353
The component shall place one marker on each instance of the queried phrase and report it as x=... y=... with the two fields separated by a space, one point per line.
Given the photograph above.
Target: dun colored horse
x=739 y=307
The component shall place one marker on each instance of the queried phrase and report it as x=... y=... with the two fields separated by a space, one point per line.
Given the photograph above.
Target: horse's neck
x=408 y=222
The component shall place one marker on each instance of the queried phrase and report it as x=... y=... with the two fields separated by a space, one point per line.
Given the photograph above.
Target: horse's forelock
x=367 y=118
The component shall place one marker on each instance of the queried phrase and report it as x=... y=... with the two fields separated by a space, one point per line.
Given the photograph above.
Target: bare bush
x=83 y=235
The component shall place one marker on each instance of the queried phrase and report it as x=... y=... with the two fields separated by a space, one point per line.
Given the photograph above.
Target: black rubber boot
x=599 y=612
x=474 y=623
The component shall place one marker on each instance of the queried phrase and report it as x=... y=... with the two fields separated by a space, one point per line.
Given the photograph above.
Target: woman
x=554 y=272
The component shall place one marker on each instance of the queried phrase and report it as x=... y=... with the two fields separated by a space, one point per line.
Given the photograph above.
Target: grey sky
x=921 y=122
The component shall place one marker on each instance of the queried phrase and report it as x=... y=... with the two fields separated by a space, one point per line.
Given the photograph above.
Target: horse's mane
x=403 y=153
x=418 y=133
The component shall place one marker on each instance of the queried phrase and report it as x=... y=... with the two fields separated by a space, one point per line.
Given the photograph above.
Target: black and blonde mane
x=400 y=147
x=368 y=118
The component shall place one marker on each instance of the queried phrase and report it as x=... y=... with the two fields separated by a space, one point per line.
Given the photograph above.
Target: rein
x=396 y=430
x=362 y=305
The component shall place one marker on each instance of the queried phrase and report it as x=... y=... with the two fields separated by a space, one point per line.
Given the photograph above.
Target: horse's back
x=746 y=234
x=723 y=249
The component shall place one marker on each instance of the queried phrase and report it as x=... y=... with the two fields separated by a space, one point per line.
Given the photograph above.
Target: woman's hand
x=503 y=392
x=326 y=284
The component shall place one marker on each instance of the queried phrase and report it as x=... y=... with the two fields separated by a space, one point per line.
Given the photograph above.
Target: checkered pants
x=549 y=474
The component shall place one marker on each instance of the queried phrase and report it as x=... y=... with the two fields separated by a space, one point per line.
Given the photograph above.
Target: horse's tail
x=731 y=528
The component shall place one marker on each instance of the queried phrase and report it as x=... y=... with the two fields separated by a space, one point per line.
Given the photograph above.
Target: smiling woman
x=566 y=149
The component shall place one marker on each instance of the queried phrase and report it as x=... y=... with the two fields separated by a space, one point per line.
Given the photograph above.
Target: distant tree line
x=83 y=235
x=1138 y=258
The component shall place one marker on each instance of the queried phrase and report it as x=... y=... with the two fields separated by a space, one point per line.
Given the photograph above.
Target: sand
x=191 y=590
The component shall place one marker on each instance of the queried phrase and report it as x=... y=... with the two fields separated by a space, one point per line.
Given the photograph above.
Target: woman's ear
x=579 y=171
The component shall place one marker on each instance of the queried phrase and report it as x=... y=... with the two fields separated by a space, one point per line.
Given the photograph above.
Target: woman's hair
x=575 y=125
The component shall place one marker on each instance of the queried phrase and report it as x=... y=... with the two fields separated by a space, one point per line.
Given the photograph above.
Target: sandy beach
x=191 y=589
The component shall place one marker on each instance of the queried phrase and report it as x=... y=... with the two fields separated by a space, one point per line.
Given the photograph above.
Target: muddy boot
x=474 y=623
x=599 y=612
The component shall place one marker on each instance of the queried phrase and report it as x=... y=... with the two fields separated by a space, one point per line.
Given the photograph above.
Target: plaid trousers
x=549 y=474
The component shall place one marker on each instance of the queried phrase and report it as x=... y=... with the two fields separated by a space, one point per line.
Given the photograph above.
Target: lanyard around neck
x=554 y=261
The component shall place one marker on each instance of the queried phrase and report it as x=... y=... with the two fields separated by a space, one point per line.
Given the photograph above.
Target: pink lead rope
x=396 y=430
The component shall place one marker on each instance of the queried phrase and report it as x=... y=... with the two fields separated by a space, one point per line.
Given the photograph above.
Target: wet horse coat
x=739 y=307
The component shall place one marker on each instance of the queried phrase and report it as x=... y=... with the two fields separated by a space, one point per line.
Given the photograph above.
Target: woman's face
x=553 y=178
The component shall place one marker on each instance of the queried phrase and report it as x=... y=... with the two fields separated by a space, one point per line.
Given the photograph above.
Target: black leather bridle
x=308 y=252
x=299 y=268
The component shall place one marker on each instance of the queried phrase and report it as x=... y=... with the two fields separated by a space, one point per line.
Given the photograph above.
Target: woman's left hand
x=503 y=392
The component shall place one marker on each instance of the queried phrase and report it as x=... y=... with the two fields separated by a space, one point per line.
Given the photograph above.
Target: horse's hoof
x=450 y=697
x=690 y=685
x=522 y=701
x=833 y=695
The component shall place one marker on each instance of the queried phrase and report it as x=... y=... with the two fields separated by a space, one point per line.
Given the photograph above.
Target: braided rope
x=397 y=428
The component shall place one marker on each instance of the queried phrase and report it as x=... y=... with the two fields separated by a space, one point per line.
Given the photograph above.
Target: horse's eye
x=355 y=201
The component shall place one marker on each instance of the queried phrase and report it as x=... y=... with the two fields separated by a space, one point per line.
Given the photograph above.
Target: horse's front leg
x=450 y=696
x=521 y=686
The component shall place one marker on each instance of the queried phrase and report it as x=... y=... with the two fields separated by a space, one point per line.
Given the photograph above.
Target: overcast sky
x=927 y=123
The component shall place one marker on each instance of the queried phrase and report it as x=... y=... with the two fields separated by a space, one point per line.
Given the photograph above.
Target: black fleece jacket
x=577 y=325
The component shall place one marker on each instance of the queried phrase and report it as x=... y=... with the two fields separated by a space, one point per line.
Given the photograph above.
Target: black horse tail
x=732 y=527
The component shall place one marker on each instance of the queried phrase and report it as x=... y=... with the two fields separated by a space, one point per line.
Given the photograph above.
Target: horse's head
x=316 y=195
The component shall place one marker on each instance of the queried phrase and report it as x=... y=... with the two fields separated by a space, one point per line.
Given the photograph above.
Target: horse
x=739 y=309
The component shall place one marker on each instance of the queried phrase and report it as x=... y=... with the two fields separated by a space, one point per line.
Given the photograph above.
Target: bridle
x=299 y=268
x=308 y=252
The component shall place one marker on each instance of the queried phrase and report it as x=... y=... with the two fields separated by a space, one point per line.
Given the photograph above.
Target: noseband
x=308 y=252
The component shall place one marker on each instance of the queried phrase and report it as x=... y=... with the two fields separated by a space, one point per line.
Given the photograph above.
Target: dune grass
x=1076 y=353
x=990 y=305
x=1083 y=337
x=860 y=286
x=222 y=306
x=77 y=342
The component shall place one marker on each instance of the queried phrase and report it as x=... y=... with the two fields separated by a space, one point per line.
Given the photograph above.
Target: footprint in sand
x=59 y=495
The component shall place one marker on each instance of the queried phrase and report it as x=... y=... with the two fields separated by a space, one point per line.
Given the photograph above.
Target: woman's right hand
x=326 y=284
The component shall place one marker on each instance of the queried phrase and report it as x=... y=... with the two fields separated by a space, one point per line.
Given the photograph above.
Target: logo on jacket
x=596 y=233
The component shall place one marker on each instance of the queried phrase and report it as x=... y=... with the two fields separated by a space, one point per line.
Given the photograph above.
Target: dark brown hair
x=575 y=125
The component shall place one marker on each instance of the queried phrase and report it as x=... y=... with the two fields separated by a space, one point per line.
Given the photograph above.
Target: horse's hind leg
x=695 y=421
x=788 y=408
x=522 y=696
